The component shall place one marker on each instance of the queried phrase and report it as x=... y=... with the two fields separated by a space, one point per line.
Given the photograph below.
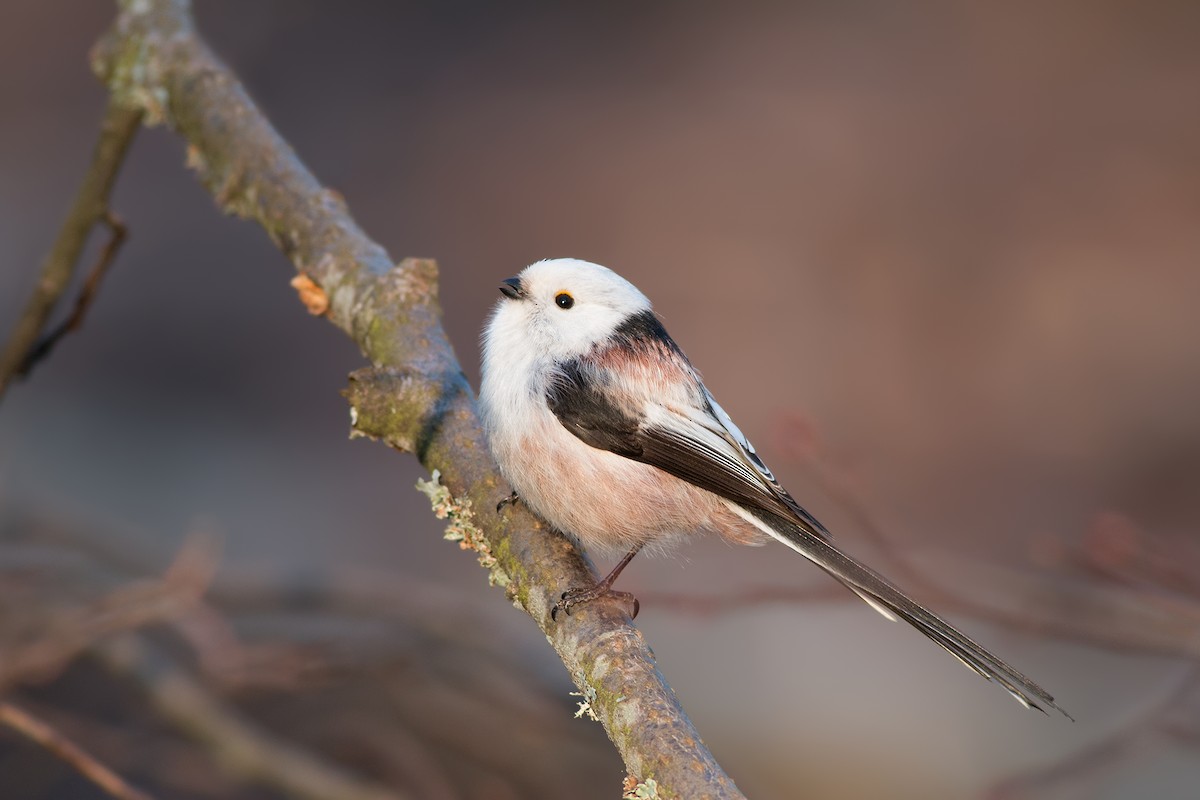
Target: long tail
x=880 y=594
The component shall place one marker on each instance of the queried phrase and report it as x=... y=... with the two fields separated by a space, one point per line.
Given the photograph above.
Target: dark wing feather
x=710 y=467
x=587 y=413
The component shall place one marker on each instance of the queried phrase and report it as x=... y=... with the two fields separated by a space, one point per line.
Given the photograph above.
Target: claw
x=577 y=597
x=603 y=589
x=508 y=501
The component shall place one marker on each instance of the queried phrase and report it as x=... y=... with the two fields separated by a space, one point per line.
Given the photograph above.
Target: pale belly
x=607 y=502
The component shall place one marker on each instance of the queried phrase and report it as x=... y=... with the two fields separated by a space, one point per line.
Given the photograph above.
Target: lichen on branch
x=462 y=527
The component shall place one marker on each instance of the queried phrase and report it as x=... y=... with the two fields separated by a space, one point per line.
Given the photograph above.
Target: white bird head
x=560 y=308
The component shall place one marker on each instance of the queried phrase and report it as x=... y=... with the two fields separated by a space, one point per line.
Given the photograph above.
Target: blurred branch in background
x=234 y=742
x=26 y=344
x=329 y=686
x=42 y=631
x=39 y=731
x=42 y=636
x=91 y=286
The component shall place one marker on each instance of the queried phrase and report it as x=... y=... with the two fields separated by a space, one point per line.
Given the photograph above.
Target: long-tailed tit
x=605 y=430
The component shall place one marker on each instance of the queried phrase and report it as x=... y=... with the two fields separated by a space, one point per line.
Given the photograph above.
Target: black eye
x=564 y=300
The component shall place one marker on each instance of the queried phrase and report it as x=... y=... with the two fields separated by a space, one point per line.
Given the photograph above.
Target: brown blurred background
x=942 y=260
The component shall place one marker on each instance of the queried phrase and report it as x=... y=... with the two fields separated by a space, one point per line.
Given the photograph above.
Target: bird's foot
x=574 y=598
x=511 y=500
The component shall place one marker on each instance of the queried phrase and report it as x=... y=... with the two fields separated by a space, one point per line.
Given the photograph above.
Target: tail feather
x=884 y=597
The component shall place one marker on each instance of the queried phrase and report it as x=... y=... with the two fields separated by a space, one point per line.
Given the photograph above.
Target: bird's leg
x=576 y=597
x=508 y=501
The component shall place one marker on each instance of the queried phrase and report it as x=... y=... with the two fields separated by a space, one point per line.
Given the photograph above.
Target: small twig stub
x=311 y=295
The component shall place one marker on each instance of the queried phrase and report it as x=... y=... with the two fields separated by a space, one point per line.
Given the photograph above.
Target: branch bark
x=121 y=122
x=415 y=397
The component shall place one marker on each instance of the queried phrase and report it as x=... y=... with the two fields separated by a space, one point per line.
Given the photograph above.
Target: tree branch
x=38 y=731
x=91 y=285
x=236 y=742
x=416 y=397
x=64 y=635
x=121 y=122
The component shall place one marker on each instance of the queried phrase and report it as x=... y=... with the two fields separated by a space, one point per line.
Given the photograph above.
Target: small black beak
x=511 y=289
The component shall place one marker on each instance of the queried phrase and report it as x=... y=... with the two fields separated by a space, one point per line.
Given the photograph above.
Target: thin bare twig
x=116 y=237
x=120 y=123
x=238 y=744
x=170 y=765
x=133 y=606
x=37 y=730
x=392 y=680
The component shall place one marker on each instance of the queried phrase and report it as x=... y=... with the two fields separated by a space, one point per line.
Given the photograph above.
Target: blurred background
x=941 y=262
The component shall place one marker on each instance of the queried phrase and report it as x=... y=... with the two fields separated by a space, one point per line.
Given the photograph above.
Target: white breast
x=605 y=501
